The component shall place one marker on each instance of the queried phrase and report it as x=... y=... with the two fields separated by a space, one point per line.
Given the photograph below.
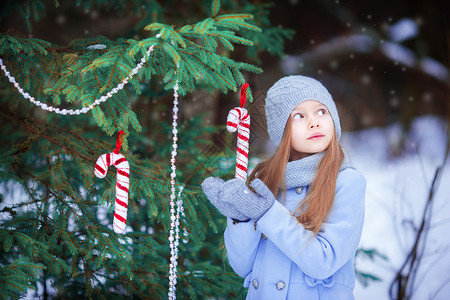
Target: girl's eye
x=321 y=112
x=298 y=116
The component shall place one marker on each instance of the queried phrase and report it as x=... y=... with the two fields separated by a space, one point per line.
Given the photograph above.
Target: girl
x=302 y=244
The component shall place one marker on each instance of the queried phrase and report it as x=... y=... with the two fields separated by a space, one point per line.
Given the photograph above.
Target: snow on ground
x=397 y=190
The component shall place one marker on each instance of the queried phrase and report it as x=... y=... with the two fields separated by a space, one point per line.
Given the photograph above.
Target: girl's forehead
x=309 y=104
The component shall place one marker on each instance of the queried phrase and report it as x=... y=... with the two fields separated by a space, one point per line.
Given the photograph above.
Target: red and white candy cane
x=122 y=183
x=239 y=119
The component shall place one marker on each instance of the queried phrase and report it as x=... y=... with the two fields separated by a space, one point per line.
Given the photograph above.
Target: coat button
x=281 y=285
x=255 y=283
x=299 y=189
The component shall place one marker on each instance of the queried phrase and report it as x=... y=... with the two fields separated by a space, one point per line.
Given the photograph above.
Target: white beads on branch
x=86 y=109
x=174 y=214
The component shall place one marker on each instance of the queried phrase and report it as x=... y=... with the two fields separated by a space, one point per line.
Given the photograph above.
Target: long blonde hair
x=318 y=201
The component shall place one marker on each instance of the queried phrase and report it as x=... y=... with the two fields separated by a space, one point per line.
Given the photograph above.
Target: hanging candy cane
x=122 y=182
x=239 y=119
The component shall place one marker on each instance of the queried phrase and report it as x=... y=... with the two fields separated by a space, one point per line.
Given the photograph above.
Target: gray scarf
x=301 y=172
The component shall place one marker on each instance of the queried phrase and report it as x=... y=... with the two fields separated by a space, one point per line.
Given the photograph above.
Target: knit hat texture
x=286 y=94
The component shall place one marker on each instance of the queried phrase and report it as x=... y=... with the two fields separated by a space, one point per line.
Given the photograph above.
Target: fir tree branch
x=24 y=124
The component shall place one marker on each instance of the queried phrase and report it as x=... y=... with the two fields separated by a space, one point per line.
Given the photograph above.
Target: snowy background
x=397 y=190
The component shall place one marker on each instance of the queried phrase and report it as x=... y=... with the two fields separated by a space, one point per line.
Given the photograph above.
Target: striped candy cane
x=239 y=119
x=122 y=184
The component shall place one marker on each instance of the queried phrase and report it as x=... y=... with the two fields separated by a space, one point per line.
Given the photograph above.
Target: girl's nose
x=313 y=123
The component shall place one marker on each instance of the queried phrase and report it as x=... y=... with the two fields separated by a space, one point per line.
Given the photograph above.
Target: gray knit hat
x=286 y=94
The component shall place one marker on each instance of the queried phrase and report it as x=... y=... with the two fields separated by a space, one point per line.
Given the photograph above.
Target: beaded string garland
x=175 y=214
x=83 y=110
x=174 y=218
x=174 y=221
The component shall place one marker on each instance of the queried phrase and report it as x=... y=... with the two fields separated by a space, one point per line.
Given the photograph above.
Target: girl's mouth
x=316 y=136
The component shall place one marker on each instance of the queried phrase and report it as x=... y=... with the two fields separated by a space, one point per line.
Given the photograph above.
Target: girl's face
x=312 y=129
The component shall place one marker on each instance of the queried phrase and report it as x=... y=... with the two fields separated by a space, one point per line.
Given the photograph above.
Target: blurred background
x=386 y=64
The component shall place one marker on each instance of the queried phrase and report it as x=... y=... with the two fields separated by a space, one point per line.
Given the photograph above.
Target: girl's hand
x=213 y=189
x=249 y=204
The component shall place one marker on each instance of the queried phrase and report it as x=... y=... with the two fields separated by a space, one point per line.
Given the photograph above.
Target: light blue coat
x=280 y=260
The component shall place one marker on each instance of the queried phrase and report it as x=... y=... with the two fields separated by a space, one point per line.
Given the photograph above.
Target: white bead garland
x=174 y=218
x=83 y=110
